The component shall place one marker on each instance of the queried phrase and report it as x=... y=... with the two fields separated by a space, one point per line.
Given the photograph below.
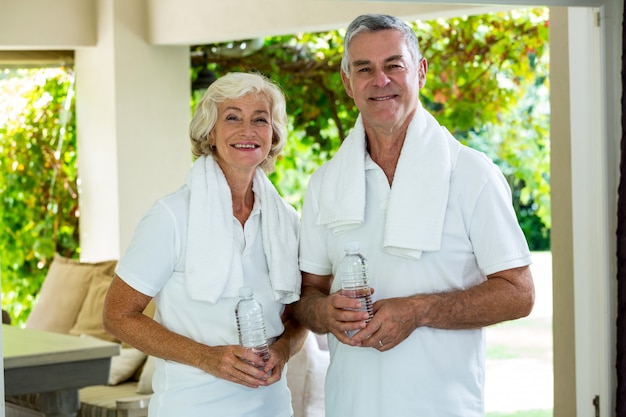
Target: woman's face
x=243 y=132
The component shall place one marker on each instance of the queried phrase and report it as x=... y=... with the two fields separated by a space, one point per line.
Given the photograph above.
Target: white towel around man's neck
x=210 y=269
x=419 y=193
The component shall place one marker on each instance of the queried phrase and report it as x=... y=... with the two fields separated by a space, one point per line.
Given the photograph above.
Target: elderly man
x=435 y=220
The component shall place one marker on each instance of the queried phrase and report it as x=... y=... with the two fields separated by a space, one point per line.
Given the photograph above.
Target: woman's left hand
x=275 y=364
x=287 y=345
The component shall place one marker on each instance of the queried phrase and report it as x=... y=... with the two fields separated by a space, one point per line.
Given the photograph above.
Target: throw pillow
x=89 y=319
x=62 y=293
x=150 y=309
x=144 y=386
x=125 y=365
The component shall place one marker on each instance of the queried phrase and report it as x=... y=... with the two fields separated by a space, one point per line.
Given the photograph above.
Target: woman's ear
x=210 y=139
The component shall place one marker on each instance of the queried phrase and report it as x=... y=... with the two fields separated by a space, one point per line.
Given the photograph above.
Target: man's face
x=384 y=79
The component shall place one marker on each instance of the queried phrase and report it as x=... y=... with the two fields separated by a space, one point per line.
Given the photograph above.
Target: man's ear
x=346 y=84
x=421 y=71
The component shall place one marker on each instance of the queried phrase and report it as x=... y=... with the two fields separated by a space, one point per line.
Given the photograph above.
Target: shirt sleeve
x=313 y=256
x=153 y=253
x=497 y=238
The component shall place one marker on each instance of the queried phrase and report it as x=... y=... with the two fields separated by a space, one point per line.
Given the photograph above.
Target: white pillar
x=132 y=117
x=585 y=147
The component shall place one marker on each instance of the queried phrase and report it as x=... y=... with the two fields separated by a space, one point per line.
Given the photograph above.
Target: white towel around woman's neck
x=210 y=269
x=419 y=193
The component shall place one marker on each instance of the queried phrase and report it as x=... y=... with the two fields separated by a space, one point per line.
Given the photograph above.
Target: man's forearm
x=500 y=298
x=292 y=339
x=309 y=309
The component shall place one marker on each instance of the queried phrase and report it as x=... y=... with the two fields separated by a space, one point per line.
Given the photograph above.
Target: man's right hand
x=323 y=312
x=344 y=314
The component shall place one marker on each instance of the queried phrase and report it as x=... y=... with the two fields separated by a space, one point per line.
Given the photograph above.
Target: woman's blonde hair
x=231 y=86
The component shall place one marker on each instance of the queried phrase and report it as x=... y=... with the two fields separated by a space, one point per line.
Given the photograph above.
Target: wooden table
x=54 y=365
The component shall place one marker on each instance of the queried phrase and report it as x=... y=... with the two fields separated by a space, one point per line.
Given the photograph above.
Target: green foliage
x=487 y=83
x=38 y=181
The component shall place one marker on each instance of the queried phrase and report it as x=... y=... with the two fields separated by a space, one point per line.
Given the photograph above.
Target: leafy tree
x=486 y=75
x=487 y=82
x=39 y=209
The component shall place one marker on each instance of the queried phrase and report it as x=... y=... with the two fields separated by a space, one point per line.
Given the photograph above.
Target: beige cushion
x=89 y=319
x=144 y=386
x=125 y=365
x=150 y=309
x=62 y=293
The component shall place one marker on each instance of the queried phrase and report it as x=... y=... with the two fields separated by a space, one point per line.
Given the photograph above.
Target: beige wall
x=561 y=197
x=36 y=24
x=193 y=22
x=132 y=103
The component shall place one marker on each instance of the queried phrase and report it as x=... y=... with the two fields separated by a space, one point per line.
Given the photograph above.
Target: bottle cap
x=245 y=292
x=351 y=246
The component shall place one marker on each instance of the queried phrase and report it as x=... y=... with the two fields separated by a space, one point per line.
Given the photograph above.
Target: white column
x=593 y=210
x=585 y=149
x=132 y=117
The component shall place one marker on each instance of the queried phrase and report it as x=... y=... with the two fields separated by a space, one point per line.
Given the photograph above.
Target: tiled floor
x=519 y=370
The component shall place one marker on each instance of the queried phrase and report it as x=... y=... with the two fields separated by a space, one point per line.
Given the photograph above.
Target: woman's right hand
x=123 y=318
x=236 y=364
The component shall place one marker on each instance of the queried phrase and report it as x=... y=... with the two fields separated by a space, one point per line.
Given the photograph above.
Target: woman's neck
x=242 y=196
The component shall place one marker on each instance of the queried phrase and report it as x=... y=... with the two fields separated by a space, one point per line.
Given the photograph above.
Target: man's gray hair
x=375 y=23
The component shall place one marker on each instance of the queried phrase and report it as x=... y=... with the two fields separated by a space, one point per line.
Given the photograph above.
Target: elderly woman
x=225 y=228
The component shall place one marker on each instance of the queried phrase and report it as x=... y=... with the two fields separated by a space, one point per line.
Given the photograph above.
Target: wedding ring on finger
x=380 y=343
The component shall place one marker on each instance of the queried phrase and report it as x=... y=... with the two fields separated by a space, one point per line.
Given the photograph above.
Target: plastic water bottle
x=355 y=280
x=250 y=324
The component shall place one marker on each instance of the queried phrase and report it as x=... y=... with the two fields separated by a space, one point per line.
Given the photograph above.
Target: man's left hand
x=394 y=320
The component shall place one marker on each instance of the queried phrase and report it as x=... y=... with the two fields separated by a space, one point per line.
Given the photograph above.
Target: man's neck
x=384 y=149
